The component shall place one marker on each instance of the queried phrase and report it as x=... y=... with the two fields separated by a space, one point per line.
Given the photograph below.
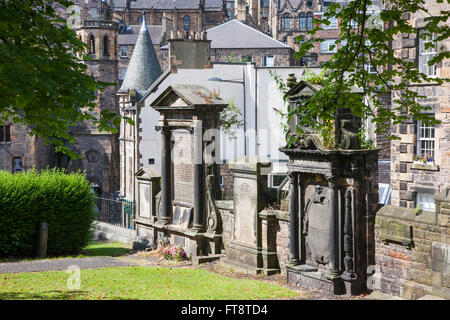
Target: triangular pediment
x=187 y=96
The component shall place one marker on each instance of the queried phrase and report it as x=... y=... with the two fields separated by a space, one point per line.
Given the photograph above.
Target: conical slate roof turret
x=144 y=67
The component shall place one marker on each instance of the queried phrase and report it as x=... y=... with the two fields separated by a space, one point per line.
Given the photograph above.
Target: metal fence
x=118 y=212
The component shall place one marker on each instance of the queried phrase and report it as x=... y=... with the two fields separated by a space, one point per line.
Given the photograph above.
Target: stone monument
x=189 y=124
x=333 y=199
x=246 y=251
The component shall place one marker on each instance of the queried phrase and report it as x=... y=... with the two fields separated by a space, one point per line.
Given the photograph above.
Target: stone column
x=199 y=221
x=334 y=233
x=293 y=216
x=165 y=174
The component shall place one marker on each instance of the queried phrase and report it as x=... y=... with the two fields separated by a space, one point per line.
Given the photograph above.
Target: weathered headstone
x=246 y=251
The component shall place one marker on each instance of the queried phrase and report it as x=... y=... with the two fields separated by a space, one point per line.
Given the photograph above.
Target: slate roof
x=192 y=95
x=237 y=35
x=130 y=37
x=211 y=5
x=144 y=67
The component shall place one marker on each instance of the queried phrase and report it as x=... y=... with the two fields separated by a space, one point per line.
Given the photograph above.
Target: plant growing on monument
x=365 y=40
x=326 y=127
x=231 y=119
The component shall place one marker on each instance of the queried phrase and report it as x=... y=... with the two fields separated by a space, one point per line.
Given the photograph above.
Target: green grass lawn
x=138 y=283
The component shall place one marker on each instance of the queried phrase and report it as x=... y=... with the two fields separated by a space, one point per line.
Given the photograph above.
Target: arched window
x=302 y=21
x=309 y=20
x=91 y=44
x=286 y=22
x=106 y=46
x=187 y=22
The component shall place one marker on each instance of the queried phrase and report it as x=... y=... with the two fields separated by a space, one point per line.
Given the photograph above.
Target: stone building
x=236 y=41
x=20 y=151
x=144 y=69
x=415 y=183
x=285 y=20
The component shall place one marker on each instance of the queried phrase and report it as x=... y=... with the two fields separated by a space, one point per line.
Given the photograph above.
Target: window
x=187 y=22
x=275 y=180
x=333 y=24
x=286 y=23
x=94 y=13
x=246 y=58
x=5 y=134
x=354 y=24
x=426 y=54
x=302 y=21
x=106 y=46
x=325 y=46
x=123 y=51
x=309 y=20
x=370 y=68
x=425 y=139
x=91 y=44
x=425 y=201
x=269 y=61
x=123 y=71
x=17 y=164
x=139 y=20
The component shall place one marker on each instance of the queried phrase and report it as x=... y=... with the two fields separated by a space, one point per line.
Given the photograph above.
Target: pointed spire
x=144 y=67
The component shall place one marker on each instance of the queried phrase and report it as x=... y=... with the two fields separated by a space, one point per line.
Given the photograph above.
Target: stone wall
x=408 y=179
x=413 y=250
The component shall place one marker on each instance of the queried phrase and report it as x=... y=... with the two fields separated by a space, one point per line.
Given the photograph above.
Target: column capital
x=164 y=129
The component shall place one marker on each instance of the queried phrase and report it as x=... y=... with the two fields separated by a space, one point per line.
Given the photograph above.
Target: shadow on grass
x=45 y=295
x=109 y=251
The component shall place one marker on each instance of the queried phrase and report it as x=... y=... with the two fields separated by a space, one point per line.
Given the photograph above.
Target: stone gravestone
x=189 y=123
x=332 y=203
x=245 y=251
x=148 y=186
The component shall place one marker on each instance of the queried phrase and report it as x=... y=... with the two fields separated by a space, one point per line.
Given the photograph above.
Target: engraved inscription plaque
x=245 y=197
x=183 y=167
x=145 y=203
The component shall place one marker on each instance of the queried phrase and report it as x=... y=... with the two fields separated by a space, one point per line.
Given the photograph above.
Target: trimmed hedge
x=64 y=201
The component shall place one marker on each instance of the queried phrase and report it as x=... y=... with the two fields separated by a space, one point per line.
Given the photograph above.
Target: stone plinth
x=249 y=250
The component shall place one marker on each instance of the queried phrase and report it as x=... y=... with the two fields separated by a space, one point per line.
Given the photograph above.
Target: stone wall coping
x=280 y=214
x=225 y=205
x=407 y=214
x=249 y=163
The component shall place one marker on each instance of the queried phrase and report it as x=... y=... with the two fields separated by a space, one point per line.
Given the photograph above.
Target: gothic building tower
x=99 y=150
x=142 y=71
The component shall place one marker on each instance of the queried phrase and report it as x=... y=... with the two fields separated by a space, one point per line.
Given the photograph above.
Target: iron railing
x=118 y=212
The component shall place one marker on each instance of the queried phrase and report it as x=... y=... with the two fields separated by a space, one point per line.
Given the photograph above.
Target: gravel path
x=63 y=264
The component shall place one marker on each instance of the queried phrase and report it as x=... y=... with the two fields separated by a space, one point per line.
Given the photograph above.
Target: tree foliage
x=43 y=80
x=366 y=39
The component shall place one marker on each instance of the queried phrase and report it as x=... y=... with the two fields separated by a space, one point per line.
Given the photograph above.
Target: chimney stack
x=190 y=50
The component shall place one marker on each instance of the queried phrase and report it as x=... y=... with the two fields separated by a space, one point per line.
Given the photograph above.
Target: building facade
x=415 y=183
